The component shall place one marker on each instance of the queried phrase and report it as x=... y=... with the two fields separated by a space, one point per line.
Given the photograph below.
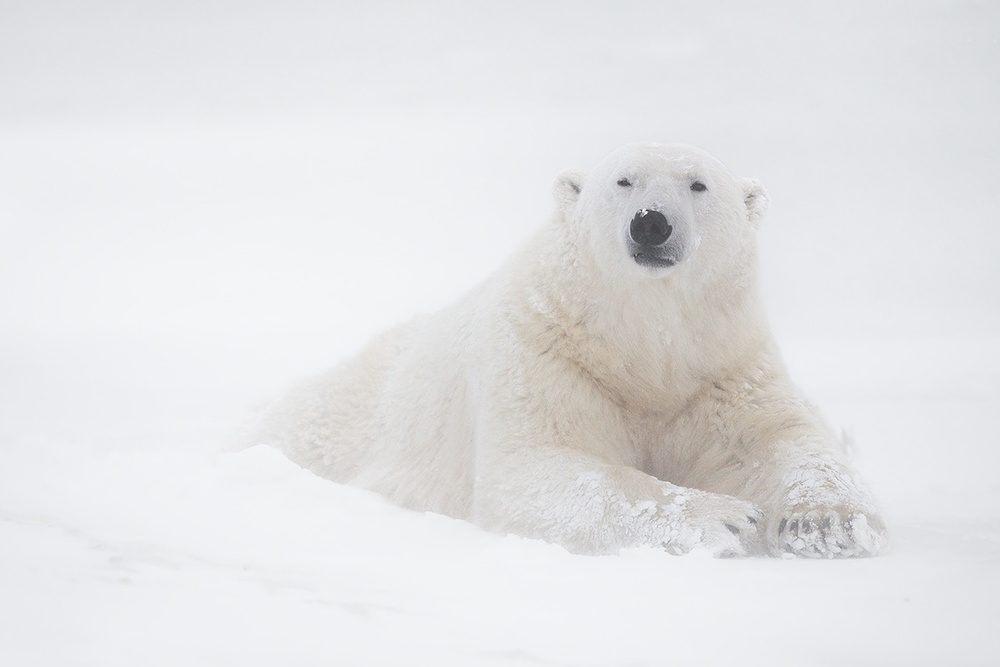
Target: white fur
x=581 y=398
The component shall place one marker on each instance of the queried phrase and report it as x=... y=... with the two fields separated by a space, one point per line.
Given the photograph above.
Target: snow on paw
x=825 y=512
x=724 y=526
x=830 y=533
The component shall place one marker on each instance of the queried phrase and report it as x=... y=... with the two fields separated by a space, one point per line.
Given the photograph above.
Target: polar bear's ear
x=567 y=187
x=755 y=199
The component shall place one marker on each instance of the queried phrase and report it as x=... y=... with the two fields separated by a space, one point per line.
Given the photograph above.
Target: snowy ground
x=134 y=541
x=201 y=203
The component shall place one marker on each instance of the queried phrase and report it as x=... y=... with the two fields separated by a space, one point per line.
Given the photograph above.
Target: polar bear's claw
x=728 y=526
x=831 y=533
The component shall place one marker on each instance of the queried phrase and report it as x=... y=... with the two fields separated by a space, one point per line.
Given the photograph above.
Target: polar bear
x=613 y=385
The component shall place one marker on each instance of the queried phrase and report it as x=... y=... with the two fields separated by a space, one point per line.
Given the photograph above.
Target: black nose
x=650 y=228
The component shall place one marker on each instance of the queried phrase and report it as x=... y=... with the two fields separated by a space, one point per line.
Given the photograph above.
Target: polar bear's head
x=653 y=207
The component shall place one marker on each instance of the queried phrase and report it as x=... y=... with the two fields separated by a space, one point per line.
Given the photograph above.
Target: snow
x=201 y=203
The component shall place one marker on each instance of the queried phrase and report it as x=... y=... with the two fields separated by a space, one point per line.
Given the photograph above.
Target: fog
x=201 y=202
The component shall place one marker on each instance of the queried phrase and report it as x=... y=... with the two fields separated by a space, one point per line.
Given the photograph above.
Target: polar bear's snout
x=650 y=229
x=655 y=241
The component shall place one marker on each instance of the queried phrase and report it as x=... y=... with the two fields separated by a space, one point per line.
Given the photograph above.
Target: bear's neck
x=650 y=344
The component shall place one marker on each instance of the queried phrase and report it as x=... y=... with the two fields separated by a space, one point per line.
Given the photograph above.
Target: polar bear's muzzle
x=649 y=234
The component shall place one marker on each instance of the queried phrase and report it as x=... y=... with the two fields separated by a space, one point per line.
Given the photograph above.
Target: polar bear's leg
x=757 y=439
x=822 y=508
x=592 y=507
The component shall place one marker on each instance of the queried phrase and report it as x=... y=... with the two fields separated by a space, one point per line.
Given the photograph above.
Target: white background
x=201 y=202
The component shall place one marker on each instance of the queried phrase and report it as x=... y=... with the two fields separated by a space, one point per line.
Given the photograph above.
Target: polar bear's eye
x=698 y=186
x=624 y=182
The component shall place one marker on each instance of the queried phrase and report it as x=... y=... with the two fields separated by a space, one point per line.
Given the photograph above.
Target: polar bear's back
x=326 y=423
x=393 y=419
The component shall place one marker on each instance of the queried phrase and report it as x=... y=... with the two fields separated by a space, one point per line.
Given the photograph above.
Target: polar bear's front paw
x=824 y=511
x=724 y=526
x=831 y=533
